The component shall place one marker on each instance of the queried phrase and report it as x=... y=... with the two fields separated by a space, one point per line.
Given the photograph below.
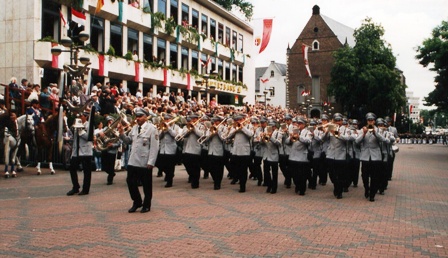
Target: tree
x=364 y=77
x=246 y=7
x=434 y=51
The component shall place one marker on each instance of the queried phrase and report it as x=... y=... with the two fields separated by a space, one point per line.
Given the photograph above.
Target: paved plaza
x=411 y=220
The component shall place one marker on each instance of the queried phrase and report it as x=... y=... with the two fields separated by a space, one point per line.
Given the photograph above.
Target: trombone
x=213 y=130
x=190 y=127
x=163 y=126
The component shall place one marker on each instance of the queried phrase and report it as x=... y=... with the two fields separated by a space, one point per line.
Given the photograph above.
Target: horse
x=12 y=139
x=44 y=135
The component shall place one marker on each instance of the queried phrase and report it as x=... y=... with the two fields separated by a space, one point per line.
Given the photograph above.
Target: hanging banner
x=305 y=59
x=267 y=29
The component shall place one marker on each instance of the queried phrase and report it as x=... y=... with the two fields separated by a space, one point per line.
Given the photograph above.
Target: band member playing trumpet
x=166 y=160
x=215 y=158
x=285 y=150
x=337 y=154
x=298 y=164
x=316 y=147
x=370 y=157
x=272 y=140
x=386 y=149
x=354 y=165
x=323 y=176
x=109 y=155
x=192 y=150
x=241 y=132
x=258 y=148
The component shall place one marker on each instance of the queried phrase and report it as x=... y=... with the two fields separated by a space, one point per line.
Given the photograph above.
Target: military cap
x=370 y=116
x=324 y=117
x=263 y=120
x=288 y=117
x=354 y=122
x=313 y=122
x=141 y=112
x=301 y=120
x=109 y=118
x=337 y=116
x=193 y=115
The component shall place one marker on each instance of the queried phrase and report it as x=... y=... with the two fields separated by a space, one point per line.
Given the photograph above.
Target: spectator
x=14 y=93
x=54 y=97
x=35 y=93
x=45 y=98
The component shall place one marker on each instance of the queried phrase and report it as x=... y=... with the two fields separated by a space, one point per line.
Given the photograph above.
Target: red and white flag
x=166 y=78
x=305 y=93
x=138 y=72
x=410 y=109
x=102 y=66
x=207 y=64
x=57 y=61
x=305 y=59
x=264 y=80
x=267 y=29
x=64 y=21
x=189 y=82
x=78 y=17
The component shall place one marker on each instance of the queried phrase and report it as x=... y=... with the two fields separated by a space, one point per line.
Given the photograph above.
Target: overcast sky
x=406 y=23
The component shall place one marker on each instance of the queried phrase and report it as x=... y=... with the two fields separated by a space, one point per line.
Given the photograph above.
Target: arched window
x=272 y=73
x=315 y=45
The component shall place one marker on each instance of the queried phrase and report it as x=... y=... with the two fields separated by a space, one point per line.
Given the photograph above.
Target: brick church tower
x=323 y=36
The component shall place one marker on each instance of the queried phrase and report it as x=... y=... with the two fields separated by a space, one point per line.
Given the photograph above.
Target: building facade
x=323 y=36
x=199 y=37
x=270 y=84
x=414 y=112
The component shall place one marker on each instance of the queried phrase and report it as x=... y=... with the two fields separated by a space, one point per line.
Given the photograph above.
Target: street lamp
x=307 y=104
x=266 y=99
x=73 y=68
x=204 y=81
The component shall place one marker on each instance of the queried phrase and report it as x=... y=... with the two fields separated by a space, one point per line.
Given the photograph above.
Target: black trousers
x=167 y=163
x=86 y=162
x=256 y=168
x=371 y=174
x=144 y=175
x=383 y=176
x=228 y=164
x=300 y=172
x=241 y=165
x=316 y=169
x=192 y=164
x=353 y=176
x=323 y=175
x=271 y=180
x=216 y=165
x=108 y=164
x=283 y=164
x=390 y=167
x=338 y=174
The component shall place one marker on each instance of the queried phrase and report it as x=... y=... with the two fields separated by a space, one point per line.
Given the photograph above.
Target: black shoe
x=145 y=209
x=217 y=187
x=297 y=189
x=83 y=193
x=195 y=186
x=302 y=193
x=345 y=190
x=259 y=182
x=372 y=199
x=268 y=190
x=339 y=196
x=312 y=187
x=168 y=185
x=134 y=208
x=234 y=181
x=382 y=192
x=242 y=190
x=72 y=192
x=273 y=191
x=109 y=183
x=366 y=194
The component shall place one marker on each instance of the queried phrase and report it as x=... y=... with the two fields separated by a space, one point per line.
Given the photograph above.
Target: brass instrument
x=334 y=128
x=213 y=130
x=163 y=126
x=294 y=137
x=370 y=128
x=266 y=137
x=204 y=136
x=239 y=126
x=111 y=134
x=190 y=128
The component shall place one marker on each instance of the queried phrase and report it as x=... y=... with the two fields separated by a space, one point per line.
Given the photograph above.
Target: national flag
x=267 y=29
x=305 y=93
x=65 y=25
x=166 y=78
x=102 y=66
x=54 y=58
x=178 y=34
x=410 y=109
x=122 y=12
x=138 y=73
x=207 y=64
x=264 y=80
x=189 y=82
x=99 y=5
x=78 y=17
x=305 y=59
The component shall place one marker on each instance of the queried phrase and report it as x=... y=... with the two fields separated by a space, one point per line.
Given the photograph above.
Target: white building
x=209 y=33
x=271 y=80
x=414 y=102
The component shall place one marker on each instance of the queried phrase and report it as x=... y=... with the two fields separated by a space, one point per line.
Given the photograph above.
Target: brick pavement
x=411 y=220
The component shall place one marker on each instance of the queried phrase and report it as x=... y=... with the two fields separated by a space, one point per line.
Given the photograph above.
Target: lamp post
x=266 y=99
x=307 y=104
x=205 y=82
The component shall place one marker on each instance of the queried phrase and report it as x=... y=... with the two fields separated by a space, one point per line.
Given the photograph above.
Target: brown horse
x=45 y=136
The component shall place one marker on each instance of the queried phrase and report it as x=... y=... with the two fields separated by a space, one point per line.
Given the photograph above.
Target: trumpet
x=239 y=126
x=294 y=137
x=204 y=136
x=163 y=126
x=190 y=128
x=370 y=128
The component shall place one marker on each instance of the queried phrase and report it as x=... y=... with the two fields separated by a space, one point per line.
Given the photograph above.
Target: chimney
x=316 y=10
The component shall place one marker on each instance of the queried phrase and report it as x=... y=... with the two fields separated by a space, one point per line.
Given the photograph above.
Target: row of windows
x=151 y=53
